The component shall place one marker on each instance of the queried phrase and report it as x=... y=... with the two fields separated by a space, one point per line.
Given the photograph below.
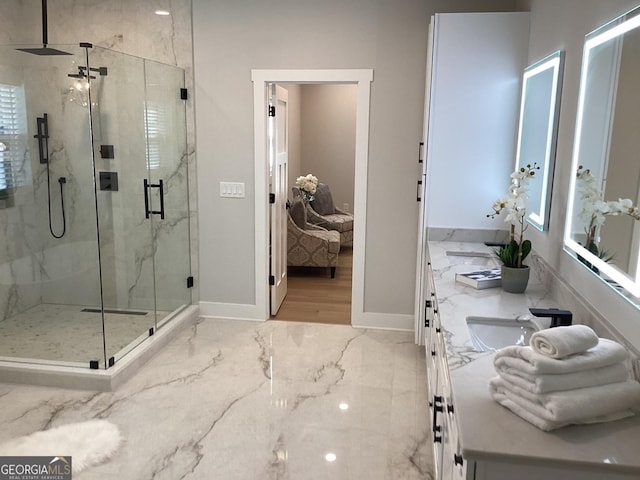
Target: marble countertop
x=611 y=446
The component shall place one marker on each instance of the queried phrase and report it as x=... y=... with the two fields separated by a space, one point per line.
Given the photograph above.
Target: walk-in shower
x=91 y=269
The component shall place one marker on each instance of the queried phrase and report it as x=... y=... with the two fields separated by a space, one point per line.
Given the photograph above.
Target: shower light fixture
x=79 y=92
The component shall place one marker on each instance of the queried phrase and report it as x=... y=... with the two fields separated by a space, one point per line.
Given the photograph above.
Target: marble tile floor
x=244 y=400
x=64 y=333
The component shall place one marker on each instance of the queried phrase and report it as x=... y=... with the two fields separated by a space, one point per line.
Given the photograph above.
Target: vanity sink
x=489 y=334
x=482 y=259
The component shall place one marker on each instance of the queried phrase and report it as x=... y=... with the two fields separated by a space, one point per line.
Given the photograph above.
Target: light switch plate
x=232 y=189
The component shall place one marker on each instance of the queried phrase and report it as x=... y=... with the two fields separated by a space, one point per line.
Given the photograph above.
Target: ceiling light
x=344 y=406
x=162 y=12
x=330 y=457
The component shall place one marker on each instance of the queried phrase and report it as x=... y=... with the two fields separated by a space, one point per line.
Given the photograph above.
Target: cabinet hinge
x=272 y=111
x=184 y=94
x=112 y=361
x=272 y=280
x=426 y=322
x=420 y=152
x=190 y=282
x=272 y=198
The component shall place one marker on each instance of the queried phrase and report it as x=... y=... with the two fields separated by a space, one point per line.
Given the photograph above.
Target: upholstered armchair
x=309 y=245
x=322 y=212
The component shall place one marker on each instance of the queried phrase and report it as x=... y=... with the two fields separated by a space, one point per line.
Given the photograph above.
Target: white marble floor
x=242 y=400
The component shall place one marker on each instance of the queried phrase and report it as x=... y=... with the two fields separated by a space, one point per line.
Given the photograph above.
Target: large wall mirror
x=603 y=225
x=537 y=132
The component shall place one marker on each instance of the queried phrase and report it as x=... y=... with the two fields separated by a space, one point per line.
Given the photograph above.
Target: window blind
x=155 y=130
x=15 y=168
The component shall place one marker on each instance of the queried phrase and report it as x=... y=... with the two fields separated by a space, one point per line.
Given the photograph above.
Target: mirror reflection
x=539 y=107
x=603 y=223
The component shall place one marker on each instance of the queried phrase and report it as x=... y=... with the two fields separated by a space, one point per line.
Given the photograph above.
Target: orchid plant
x=514 y=204
x=308 y=185
x=595 y=209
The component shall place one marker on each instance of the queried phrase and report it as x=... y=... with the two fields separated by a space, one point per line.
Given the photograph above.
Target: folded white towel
x=545 y=383
x=524 y=359
x=557 y=409
x=560 y=342
x=548 y=425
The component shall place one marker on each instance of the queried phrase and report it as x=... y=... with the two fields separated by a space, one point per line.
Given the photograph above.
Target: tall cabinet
x=475 y=63
x=474 y=70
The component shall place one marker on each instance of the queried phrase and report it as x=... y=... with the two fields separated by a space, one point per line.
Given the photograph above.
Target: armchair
x=310 y=245
x=322 y=212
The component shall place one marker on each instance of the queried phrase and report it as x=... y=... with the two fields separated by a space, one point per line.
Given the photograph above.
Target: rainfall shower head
x=44 y=50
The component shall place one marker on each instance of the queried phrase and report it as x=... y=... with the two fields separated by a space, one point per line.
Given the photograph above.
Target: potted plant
x=515 y=274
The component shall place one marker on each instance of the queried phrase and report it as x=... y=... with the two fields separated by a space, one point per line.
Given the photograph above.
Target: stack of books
x=481 y=279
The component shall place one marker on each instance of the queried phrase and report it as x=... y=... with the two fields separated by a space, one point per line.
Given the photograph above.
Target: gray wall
x=233 y=37
x=329 y=137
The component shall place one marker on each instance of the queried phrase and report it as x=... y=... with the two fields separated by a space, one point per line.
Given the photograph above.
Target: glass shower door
x=168 y=186
x=125 y=234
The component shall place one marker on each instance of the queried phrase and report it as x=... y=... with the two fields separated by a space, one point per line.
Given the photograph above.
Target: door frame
x=362 y=78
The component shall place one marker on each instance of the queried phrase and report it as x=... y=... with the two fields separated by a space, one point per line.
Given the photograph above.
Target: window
x=155 y=129
x=15 y=167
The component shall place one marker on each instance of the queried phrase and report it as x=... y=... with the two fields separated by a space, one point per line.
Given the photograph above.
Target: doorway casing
x=362 y=78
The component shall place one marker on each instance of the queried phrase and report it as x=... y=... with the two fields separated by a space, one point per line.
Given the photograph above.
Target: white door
x=278 y=159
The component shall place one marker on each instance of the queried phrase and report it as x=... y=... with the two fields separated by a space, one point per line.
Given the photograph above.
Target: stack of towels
x=566 y=376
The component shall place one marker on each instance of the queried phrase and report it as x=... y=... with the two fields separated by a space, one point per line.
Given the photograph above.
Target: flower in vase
x=308 y=185
x=515 y=207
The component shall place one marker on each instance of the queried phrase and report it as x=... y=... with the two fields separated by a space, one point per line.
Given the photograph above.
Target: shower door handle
x=147 y=211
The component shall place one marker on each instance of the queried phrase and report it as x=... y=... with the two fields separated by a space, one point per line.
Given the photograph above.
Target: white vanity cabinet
x=449 y=464
x=474 y=438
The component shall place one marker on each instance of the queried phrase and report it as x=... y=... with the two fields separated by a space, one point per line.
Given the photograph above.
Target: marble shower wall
x=133 y=28
x=142 y=258
x=35 y=265
x=69 y=266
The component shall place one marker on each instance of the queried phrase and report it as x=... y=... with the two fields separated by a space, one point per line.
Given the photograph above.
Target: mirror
x=603 y=224
x=539 y=107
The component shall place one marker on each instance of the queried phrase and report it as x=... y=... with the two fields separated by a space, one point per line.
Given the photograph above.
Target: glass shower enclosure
x=94 y=214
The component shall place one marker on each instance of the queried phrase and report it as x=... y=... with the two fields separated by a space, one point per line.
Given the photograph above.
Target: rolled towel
x=526 y=360
x=561 y=342
x=526 y=413
x=582 y=405
x=545 y=383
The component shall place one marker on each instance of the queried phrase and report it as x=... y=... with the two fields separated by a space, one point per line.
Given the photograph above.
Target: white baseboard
x=383 y=321
x=232 y=311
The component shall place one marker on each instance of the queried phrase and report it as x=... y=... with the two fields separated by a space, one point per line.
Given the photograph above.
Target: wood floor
x=314 y=297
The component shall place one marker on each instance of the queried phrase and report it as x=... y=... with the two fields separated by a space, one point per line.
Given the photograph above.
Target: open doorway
x=321 y=135
x=261 y=80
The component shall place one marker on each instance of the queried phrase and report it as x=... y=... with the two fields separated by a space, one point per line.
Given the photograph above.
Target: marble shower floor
x=243 y=400
x=64 y=333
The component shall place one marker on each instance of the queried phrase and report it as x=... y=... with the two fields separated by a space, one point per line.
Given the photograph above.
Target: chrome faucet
x=559 y=318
